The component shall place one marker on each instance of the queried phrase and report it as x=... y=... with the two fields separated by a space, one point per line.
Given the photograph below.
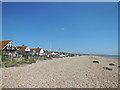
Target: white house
x=23 y=49
x=8 y=47
x=38 y=51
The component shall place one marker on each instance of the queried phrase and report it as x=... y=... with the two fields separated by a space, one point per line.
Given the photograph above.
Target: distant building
x=54 y=53
x=38 y=51
x=46 y=52
x=23 y=49
x=8 y=48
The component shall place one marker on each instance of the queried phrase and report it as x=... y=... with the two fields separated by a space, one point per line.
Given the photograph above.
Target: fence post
x=11 y=58
x=0 y=58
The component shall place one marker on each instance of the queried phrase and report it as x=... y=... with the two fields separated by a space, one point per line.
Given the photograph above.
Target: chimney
x=37 y=47
x=23 y=45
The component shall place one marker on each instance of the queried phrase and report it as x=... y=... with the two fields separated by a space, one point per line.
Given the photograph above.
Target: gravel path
x=69 y=72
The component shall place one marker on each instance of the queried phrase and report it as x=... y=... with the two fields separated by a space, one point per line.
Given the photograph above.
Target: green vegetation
x=71 y=55
x=1 y=53
x=8 y=62
x=16 y=63
x=95 y=61
x=22 y=62
x=55 y=57
x=6 y=58
x=47 y=58
x=30 y=61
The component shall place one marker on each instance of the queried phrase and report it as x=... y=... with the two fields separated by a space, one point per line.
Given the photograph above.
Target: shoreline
x=105 y=56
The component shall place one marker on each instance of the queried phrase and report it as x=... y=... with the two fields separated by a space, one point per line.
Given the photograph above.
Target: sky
x=78 y=27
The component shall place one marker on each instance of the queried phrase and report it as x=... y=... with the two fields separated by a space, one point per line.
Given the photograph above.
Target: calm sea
x=111 y=56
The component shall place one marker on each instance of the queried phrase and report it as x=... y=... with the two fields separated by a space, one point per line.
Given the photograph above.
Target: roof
x=4 y=43
x=46 y=51
x=36 y=49
x=54 y=52
x=22 y=48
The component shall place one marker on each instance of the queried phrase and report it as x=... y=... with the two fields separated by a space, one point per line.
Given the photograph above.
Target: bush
x=22 y=62
x=9 y=64
x=71 y=55
x=4 y=58
x=5 y=64
x=36 y=54
x=1 y=53
x=95 y=61
x=16 y=63
x=27 y=62
x=32 y=60
x=6 y=61
x=47 y=58
x=58 y=57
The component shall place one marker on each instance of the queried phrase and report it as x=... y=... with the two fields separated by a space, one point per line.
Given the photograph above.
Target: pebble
x=69 y=72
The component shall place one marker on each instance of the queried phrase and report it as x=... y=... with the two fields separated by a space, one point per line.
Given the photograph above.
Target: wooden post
x=0 y=58
x=11 y=57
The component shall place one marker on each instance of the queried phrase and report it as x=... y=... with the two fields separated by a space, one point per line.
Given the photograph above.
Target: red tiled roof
x=54 y=52
x=46 y=51
x=3 y=44
x=21 y=48
x=36 y=49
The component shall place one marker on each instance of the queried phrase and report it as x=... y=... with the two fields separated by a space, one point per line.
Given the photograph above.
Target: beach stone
x=68 y=72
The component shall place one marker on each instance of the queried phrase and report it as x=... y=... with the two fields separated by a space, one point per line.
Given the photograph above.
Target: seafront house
x=8 y=48
x=47 y=53
x=54 y=53
x=23 y=50
x=37 y=51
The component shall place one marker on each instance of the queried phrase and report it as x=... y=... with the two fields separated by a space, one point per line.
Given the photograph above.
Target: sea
x=110 y=56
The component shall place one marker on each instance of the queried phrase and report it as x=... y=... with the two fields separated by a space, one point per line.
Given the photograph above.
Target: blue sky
x=84 y=27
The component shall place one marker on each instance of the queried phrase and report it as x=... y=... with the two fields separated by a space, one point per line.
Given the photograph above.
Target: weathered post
x=11 y=57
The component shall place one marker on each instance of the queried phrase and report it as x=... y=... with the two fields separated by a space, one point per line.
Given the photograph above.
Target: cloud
x=60 y=29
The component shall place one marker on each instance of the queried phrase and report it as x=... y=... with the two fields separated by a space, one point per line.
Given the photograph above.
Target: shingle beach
x=68 y=72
